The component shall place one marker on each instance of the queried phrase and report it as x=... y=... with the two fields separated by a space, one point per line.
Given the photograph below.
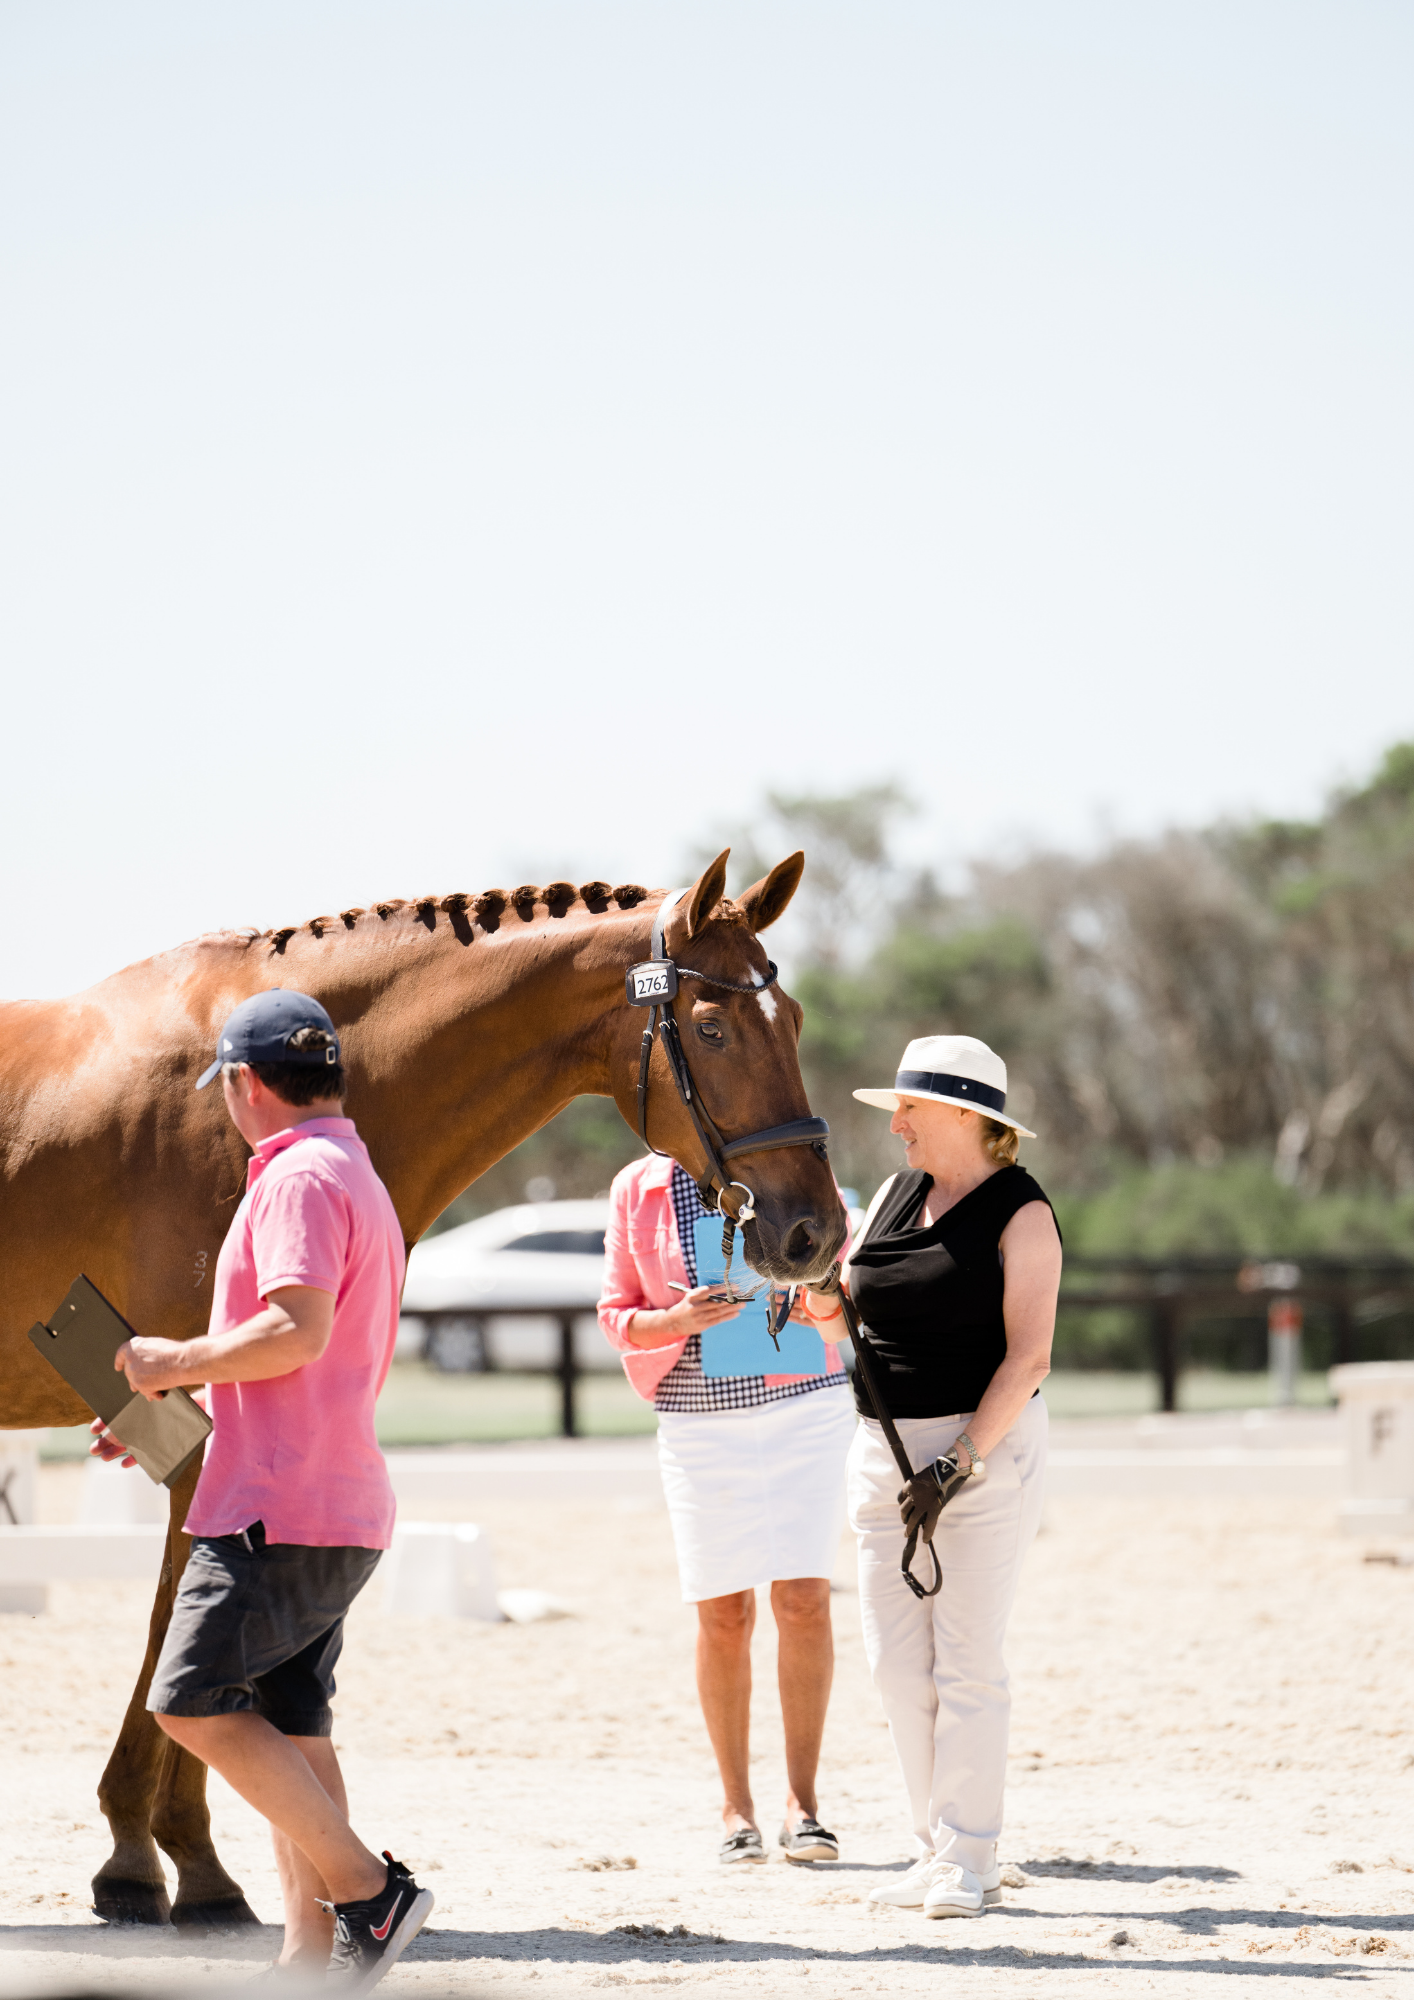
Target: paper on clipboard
x=743 y=1346
x=79 y=1342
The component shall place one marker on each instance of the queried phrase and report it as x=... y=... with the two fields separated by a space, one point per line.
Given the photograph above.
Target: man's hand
x=107 y=1447
x=153 y=1366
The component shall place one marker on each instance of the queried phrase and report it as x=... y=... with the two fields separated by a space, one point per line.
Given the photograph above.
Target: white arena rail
x=114 y=1553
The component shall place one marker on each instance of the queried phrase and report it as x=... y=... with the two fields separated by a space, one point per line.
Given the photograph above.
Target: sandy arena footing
x=1212 y=1777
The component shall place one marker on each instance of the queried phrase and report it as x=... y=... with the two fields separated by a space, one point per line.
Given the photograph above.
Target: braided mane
x=486 y=909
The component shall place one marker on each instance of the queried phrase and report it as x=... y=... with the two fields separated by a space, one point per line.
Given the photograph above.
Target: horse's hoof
x=229 y=1913
x=118 y=1901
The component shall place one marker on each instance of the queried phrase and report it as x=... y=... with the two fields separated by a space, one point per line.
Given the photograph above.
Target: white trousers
x=937 y=1661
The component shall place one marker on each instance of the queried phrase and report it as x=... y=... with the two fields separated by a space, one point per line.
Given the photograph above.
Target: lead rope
x=746 y=1212
x=887 y=1426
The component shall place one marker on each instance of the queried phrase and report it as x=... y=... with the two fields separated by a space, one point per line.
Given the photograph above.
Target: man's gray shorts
x=258 y=1627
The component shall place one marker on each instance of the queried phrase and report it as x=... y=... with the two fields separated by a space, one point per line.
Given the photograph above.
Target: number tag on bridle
x=652 y=983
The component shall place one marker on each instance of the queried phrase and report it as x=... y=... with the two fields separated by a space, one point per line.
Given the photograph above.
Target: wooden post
x=1165 y=1331
x=1344 y=1330
x=567 y=1376
x=1284 y=1327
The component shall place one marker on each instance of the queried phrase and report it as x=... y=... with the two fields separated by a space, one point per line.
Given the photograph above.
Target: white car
x=539 y=1254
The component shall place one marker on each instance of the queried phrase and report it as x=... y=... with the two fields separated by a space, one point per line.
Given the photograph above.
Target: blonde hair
x=1001 y=1141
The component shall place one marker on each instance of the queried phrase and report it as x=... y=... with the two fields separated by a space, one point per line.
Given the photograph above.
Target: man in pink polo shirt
x=294 y=1506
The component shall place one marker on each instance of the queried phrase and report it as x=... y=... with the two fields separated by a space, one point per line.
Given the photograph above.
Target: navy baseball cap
x=259 y=1032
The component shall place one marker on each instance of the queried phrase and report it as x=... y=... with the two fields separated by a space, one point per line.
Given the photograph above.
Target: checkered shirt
x=685 y=1387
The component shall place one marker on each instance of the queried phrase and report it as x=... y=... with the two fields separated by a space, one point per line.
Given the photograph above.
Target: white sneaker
x=906 y=1891
x=909 y=1891
x=957 y=1892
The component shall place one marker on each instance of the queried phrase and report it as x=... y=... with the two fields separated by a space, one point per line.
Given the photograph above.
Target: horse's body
x=466 y=1022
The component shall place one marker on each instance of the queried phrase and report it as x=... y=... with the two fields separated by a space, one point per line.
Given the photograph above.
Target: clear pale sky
x=447 y=445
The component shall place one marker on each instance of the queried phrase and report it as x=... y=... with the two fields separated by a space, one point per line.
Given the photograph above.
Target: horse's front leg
x=151 y=1788
x=130 y=1887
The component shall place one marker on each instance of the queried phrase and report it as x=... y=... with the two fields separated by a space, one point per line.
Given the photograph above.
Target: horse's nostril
x=801 y=1243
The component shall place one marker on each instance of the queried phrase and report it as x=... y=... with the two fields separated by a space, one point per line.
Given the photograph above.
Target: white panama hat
x=950 y=1069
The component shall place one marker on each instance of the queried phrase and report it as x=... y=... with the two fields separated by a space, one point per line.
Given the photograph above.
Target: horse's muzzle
x=794 y=1249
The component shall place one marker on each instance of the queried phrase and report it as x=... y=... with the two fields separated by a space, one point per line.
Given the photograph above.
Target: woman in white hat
x=954 y=1278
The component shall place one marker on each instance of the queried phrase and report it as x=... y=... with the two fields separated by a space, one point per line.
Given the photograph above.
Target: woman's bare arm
x=1031 y=1267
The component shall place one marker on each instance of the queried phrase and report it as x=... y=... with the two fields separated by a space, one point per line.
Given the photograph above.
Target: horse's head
x=739 y=1040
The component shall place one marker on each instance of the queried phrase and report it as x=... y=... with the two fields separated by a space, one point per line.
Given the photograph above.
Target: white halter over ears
x=950 y=1069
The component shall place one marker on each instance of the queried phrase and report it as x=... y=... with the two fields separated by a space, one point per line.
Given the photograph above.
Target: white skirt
x=756 y=1494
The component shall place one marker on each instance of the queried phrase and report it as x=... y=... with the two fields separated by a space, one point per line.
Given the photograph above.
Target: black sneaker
x=371 y=1936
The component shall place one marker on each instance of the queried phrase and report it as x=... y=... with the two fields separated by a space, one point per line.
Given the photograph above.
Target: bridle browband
x=654 y=985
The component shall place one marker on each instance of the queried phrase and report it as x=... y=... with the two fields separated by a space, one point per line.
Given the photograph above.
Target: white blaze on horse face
x=765 y=1001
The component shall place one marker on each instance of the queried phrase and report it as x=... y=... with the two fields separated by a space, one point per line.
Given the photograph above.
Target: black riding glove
x=927 y=1493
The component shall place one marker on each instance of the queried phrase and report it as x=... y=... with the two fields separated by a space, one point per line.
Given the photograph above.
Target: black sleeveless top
x=931 y=1299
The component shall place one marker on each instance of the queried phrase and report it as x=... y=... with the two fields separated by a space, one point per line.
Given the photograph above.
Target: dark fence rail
x=566 y=1369
x=1177 y=1292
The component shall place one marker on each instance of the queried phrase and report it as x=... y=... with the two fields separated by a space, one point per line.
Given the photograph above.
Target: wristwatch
x=973 y=1454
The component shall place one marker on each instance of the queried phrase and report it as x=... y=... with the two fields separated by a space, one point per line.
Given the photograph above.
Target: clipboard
x=743 y=1346
x=79 y=1342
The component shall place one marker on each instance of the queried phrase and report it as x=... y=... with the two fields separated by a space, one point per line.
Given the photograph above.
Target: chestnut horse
x=467 y=1022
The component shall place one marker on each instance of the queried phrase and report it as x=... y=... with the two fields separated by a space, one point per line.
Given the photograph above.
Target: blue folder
x=743 y=1346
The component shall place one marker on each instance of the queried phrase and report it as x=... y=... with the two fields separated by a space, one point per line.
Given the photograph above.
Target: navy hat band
x=931 y=1083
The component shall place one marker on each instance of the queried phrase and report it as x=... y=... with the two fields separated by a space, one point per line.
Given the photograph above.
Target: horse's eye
x=709 y=1031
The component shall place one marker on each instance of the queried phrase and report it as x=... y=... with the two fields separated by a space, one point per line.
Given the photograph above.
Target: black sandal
x=807 y=1840
x=743 y=1845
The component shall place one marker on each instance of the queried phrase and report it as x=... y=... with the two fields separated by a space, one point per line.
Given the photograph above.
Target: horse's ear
x=707 y=892
x=763 y=902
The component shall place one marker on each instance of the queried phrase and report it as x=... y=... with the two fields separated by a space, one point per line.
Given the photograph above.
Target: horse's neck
x=469 y=1048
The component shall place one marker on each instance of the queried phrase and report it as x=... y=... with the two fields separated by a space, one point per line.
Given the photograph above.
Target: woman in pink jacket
x=753 y=1470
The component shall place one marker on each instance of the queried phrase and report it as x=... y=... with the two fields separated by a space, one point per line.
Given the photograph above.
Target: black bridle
x=654 y=984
